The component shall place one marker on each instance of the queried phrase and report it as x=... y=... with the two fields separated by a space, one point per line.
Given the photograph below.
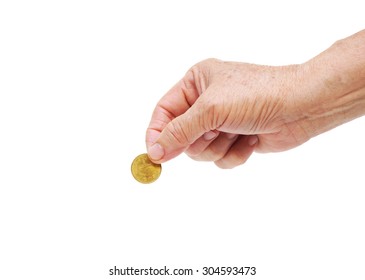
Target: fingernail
x=156 y=151
x=210 y=135
x=252 y=140
x=230 y=136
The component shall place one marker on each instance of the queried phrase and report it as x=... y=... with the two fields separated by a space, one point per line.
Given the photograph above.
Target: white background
x=78 y=83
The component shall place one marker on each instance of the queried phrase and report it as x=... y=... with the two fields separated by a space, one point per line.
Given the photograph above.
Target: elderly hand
x=223 y=111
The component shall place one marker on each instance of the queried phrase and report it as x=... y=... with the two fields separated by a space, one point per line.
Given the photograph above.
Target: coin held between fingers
x=144 y=170
x=156 y=151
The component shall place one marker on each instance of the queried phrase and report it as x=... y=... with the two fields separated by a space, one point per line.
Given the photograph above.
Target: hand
x=223 y=111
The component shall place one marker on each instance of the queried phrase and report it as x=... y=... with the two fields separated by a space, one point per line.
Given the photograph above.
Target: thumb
x=179 y=134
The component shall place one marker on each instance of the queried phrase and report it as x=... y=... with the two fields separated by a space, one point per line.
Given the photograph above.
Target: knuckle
x=230 y=161
x=201 y=73
x=209 y=62
x=223 y=164
x=209 y=154
x=193 y=152
x=176 y=133
x=206 y=63
x=215 y=152
x=238 y=159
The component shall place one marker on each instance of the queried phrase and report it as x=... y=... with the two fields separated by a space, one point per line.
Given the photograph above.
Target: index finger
x=173 y=104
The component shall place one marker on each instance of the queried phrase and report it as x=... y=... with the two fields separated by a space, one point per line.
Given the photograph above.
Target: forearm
x=343 y=64
x=337 y=85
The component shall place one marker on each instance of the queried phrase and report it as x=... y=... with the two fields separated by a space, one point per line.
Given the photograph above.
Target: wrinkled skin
x=229 y=105
x=224 y=111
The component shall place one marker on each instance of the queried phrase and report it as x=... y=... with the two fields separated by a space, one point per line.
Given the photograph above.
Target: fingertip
x=155 y=152
x=238 y=153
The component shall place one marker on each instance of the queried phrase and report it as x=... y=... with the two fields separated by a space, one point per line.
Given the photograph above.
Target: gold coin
x=144 y=170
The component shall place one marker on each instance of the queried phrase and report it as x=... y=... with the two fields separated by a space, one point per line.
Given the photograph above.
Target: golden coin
x=144 y=170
